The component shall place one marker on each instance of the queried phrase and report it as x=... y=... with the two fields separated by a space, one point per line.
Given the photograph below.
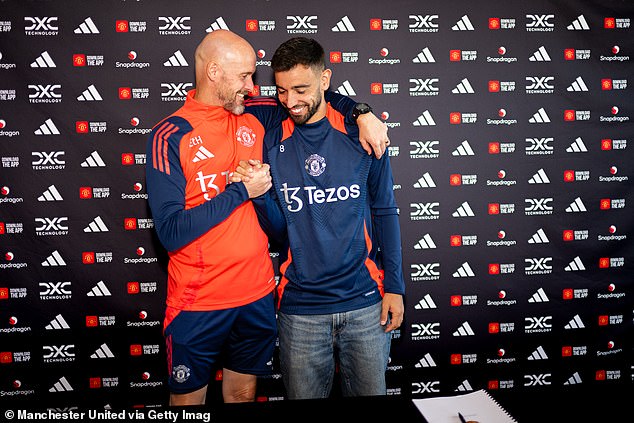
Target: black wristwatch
x=360 y=109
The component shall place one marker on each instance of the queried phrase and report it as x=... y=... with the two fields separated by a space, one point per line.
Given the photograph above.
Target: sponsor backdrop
x=511 y=146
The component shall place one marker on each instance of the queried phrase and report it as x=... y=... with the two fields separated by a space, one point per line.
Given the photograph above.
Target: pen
x=462 y=420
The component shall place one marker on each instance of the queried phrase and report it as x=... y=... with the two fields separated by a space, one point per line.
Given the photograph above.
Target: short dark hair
x=298 y=51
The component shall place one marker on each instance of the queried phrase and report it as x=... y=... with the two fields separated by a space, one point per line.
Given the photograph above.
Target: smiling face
x=301 y=92
x=225 y=64
x=235 y=82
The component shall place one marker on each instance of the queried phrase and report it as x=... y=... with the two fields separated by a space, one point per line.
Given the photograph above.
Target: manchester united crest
x=245 y=136
x=315 y=165
x=181 y=373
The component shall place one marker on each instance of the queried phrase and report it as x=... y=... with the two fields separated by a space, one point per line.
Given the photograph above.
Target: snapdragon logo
x=132 y=56
x=6 y=65
x=146 y=382
x=296 y=196
x=140 y=259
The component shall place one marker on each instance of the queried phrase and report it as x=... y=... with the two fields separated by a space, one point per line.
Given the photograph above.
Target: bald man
x=219 y=306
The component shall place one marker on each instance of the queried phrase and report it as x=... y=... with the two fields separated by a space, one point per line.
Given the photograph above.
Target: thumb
x=384 y=311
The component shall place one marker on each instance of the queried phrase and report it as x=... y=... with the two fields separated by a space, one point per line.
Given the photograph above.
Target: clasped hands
x=255 y=176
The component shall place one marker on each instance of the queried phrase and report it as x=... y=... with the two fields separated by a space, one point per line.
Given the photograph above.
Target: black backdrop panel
x=511 y=147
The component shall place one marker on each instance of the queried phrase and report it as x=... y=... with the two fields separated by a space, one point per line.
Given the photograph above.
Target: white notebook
x=476 y=406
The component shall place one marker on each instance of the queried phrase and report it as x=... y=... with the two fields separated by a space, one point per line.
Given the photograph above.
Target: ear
x=325 y=79
x=213 y=71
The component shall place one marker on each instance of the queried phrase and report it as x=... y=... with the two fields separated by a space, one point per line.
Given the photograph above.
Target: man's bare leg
x=238 y=387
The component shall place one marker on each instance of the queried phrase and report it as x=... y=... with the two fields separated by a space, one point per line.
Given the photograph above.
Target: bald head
x=222 y=46
x=222 y=58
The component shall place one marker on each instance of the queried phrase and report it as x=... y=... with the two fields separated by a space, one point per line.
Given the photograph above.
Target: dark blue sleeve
x=267 y=110
x=267 y=206
x=165 y=182
x=270 y=216
x=385 y=221
x=342 y=104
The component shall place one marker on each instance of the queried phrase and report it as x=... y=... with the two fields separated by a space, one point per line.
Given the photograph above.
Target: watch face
x=362 y=108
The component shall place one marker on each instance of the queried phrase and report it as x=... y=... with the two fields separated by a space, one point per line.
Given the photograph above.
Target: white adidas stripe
x=87 y=27
x=44 y=61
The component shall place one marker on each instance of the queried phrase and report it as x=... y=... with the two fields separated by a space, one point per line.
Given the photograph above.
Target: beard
x=233 y=105
x=302 y=119
x=232 y=101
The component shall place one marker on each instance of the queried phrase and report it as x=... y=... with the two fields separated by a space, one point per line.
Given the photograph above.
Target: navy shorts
x=241 y=339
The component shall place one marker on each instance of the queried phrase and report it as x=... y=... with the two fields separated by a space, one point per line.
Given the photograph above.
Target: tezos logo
x=315 y=195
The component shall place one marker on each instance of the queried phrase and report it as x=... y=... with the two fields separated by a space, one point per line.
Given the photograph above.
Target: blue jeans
x=312 y=345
